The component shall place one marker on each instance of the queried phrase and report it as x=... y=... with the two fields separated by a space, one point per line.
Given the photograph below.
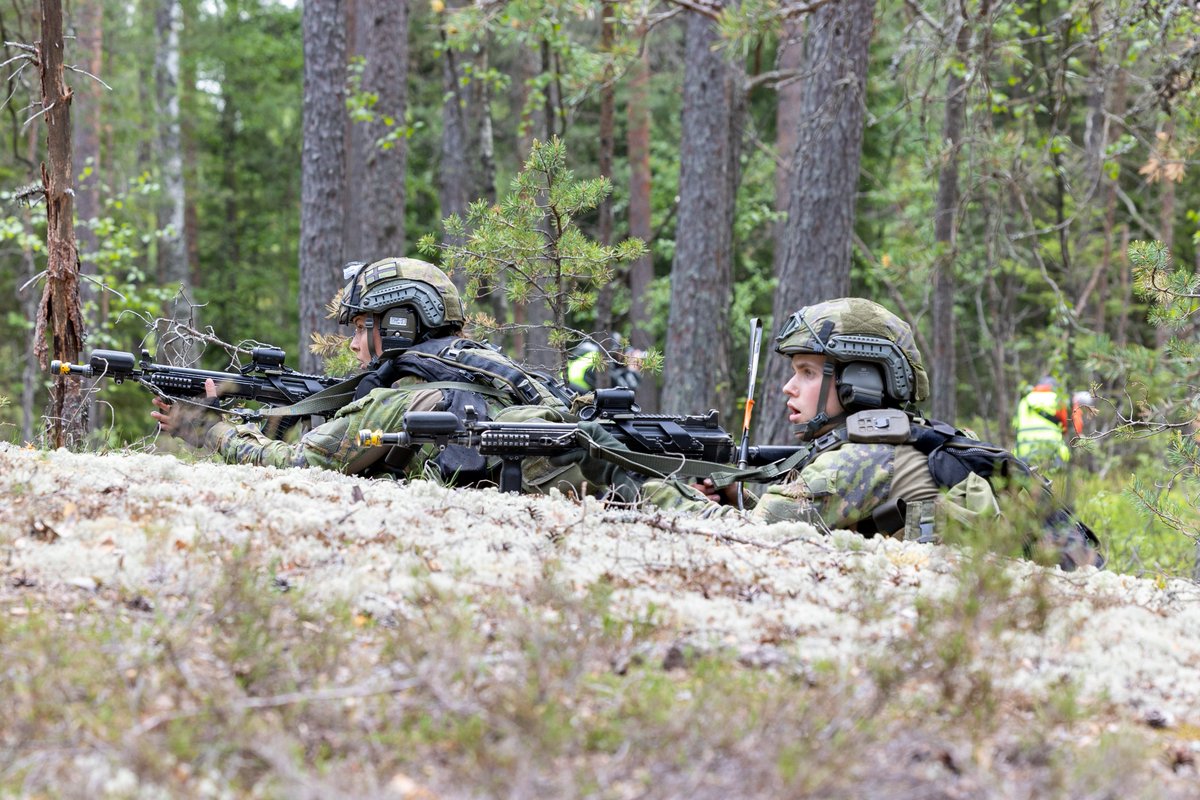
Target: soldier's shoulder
x=852 y=463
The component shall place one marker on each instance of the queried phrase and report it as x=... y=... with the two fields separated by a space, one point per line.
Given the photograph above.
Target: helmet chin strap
x=809 y=430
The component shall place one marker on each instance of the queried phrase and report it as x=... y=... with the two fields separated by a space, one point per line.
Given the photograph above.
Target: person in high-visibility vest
x=586 y=370
x=1040 y=423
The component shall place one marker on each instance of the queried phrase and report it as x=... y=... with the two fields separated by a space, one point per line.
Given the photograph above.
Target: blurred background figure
x=1083 y=408
x=1041 y=423
x=592 y=367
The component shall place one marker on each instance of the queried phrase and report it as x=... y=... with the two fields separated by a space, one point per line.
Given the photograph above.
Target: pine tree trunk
x=1166 y=219
x=536 y=317
x=357 y=12
x=175 y=347
x=604 y=214
x=88 y=23
x=456 y=181
x=697 y=353
x=943 y=363
x=790 y=96
x=322 y=171
x=187 y=133
x=820 y=223
x=59 y=310
x=641 y=272
x=382 y=193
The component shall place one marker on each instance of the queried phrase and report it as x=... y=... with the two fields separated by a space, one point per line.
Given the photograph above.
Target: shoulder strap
x=329 y=399
x=765 y=474
x=458 y=355
x=779 y=469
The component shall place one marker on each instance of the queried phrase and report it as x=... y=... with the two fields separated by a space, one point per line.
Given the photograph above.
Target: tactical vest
x=467 y=373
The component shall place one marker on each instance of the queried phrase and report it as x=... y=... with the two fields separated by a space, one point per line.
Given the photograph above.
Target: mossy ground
x=236 y=675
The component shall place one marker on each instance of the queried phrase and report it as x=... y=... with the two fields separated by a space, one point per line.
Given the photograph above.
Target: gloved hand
x=599 y=471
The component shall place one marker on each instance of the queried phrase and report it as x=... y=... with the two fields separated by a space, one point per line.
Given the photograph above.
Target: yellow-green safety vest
x=1039 y=432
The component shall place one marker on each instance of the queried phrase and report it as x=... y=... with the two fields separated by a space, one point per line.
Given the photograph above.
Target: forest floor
x=199 y=630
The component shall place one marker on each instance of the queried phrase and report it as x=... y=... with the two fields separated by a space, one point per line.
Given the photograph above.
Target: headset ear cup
x=860 y=387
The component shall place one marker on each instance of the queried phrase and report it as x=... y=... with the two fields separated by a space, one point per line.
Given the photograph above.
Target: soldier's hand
x=187 y=421
x=726 y=496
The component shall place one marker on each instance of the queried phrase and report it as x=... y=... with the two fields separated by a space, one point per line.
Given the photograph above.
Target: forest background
x=978 y=167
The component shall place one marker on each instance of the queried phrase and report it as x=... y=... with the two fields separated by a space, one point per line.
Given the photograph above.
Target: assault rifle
x=676 y=440
x=264 y=380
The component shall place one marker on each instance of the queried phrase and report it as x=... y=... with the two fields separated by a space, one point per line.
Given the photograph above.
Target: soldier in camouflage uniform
x=855 y=368
x=846 y=355
x=407 y=318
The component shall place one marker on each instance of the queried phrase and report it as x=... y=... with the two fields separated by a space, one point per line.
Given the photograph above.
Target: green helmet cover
x=855 y=329
x=392 y=282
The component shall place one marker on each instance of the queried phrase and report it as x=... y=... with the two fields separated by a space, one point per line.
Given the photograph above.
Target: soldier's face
x=358 y=344
x=803 y=389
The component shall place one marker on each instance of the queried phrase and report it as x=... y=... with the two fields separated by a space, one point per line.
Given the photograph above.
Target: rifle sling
x=653 y=464
x=724 y=476
x=340 y=394
x=328 y=399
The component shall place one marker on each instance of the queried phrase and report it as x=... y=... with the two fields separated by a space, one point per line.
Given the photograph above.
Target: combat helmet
x=413 y=300
x=872 y=356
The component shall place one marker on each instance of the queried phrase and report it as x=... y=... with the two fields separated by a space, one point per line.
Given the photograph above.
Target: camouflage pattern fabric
x=838 y=489
x=856 y=316
x=395 y=270
x=334 y=445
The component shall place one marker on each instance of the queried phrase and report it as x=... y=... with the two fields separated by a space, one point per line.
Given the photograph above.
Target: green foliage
x=532 y=239
x=1161 y=416
x=1172 y=292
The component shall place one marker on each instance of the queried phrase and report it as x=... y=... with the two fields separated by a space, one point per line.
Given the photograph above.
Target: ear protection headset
x=860 y=386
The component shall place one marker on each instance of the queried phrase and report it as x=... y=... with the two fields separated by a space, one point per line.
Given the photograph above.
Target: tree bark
x=89 y=40
x=457 y=179
x=88 y=24
x=825 y=167
x=173 y=267
x=604 y=214
x=1166 y=212
x=59 y=309
x=323 y=161
x=697 y=354
x=187 y=133
x=641 y=272
x=32 y=374
x=357 y=12
x=943 y=362
x=788 y=119
x=382 y=193
x=535 y=318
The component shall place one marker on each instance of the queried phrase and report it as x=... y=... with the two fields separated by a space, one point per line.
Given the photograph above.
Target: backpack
x=957 y=461
x=974 y=473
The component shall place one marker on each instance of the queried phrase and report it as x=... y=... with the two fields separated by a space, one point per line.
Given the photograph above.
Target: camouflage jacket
x=839 y=488
x=335 y=446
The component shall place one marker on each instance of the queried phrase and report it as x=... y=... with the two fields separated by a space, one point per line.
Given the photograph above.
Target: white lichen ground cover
x=776 y=594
